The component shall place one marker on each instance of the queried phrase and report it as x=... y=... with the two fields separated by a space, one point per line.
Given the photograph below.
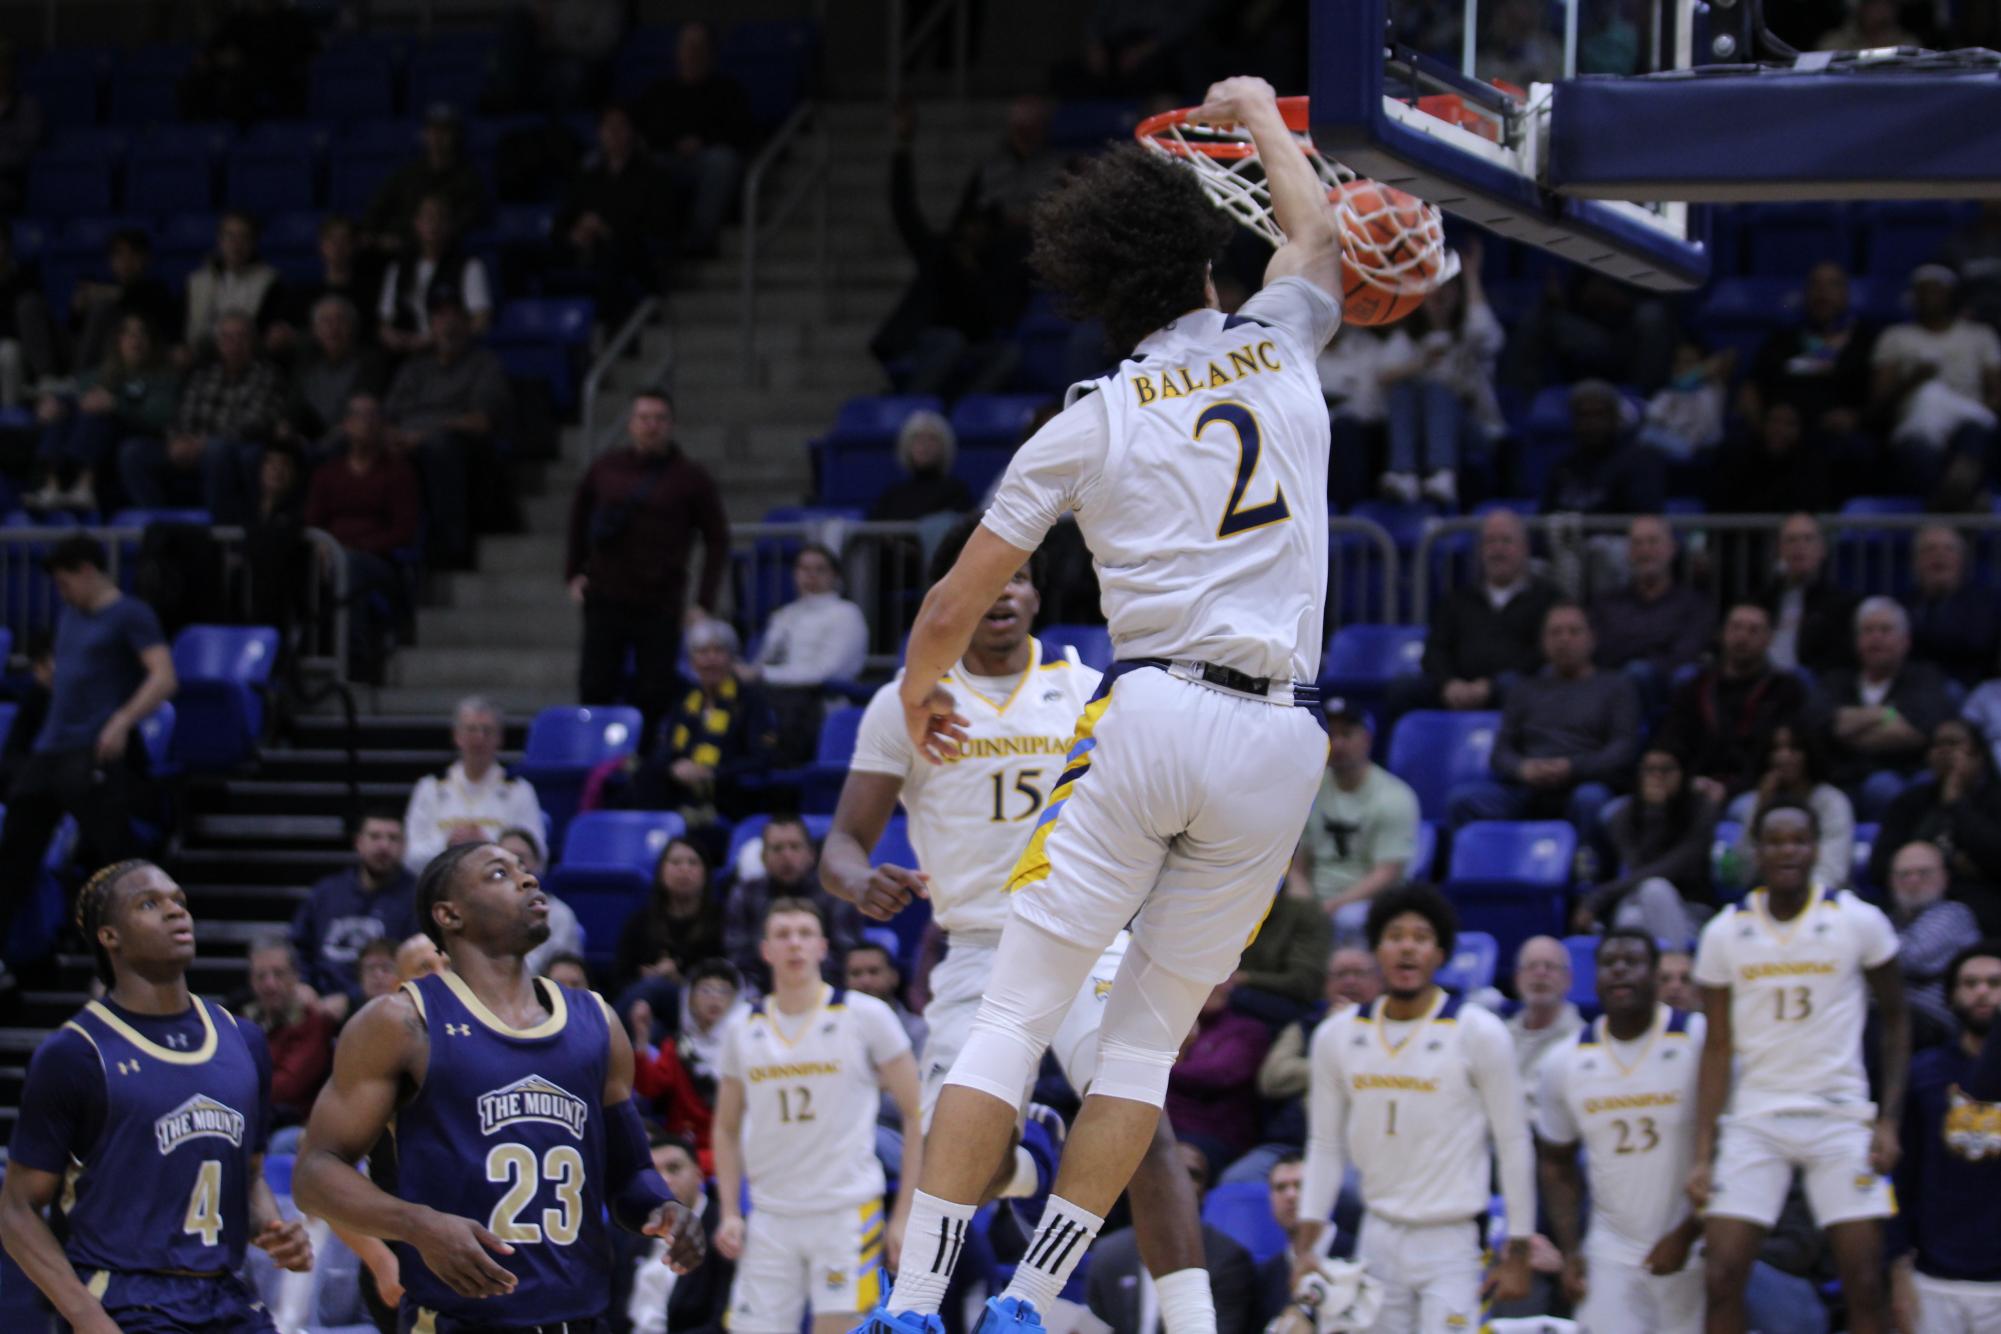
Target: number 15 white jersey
x=1198 y=473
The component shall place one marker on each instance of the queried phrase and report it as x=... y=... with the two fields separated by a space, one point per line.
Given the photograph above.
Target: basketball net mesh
x=1389 y=239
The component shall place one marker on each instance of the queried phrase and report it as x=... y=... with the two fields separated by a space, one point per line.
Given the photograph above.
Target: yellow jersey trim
x=552 y=995
x=198 y=1056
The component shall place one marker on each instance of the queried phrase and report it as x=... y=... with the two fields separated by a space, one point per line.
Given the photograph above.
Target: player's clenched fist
x=687 y=1244
x=286 y=1243
x=890 y=889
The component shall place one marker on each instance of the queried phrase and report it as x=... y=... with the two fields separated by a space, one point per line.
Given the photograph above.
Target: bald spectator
x=474 y=800
x=1938 y=379
x=1958 y=807
x=1813 y=620
x=1655 y=624
x=1566 y=735
x=1930 y=927
x=1954 y=623
x=1484 y=636
x=1715 y=718
x=1608 y=470
x=1543 y=1016
x=1879 y=715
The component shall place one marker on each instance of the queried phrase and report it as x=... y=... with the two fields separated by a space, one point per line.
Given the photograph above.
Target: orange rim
x=1155 y=127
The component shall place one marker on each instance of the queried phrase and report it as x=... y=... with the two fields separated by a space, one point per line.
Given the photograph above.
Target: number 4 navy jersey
x=165 y=1184
x=508 y=1130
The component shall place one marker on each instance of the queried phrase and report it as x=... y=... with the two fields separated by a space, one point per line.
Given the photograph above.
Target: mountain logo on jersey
x=1972 y=1129
x=198 y=1117
x=532 y=1098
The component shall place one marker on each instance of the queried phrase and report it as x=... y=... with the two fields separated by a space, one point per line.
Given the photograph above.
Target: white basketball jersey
x=1415 y=1123
x=1797 y=999
x=1633 y=1107
x=1198 y=473
x=969 y=817
x=810 y=1099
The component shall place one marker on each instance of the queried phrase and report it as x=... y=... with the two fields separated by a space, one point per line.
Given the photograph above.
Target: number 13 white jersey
x=1198 y=473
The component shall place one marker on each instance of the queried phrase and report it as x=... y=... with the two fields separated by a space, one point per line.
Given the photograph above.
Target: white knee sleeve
x=1147 y=1015
x=1036 y=975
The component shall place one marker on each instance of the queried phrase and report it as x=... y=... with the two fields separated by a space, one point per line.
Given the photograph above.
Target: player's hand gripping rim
x=937 y=729
x=687 y=1244
x=456 y=1250
x=1233 y=100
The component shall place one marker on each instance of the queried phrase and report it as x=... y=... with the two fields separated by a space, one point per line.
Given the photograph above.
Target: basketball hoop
x=1392 y=244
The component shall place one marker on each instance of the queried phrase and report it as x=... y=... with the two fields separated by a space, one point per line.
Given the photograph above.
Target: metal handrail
x=757 y=226
x=628 y=332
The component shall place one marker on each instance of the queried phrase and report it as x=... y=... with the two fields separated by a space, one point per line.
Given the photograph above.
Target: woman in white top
x=1438 y=377
x=819 y=636
x=1792 y=768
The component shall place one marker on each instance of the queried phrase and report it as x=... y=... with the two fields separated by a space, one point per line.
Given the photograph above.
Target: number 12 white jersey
x=1198 y=473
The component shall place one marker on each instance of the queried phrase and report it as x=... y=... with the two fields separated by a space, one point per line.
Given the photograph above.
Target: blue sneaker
x=880 y=1321
x=1009 y=1315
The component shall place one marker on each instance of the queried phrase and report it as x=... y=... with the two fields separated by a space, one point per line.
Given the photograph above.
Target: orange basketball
x=1389 y=261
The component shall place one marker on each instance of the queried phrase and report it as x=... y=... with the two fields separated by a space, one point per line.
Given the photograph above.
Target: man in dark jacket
x=1878 y=717
x=632 y=526
x=1716 y=718
x=1485 y=636
x=374 y=899
x=616 y=212
x=1813 y=621
x=1608 y=471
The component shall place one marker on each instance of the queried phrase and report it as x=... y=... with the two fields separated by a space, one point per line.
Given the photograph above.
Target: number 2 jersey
x=1798 y=999
x=810 y=1098
x=507 y=1129
x=154 y=1122
x=1198 y=473
x=970 y=816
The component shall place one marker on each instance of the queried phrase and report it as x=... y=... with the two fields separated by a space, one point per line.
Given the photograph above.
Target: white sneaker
x=48 y=498
x=1443 y=487
x=1400 y=486
x=81 y=496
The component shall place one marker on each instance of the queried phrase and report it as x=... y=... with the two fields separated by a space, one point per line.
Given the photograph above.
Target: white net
x=1390 y=240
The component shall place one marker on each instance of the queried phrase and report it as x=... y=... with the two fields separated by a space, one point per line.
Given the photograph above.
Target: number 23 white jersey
x=1198 y=473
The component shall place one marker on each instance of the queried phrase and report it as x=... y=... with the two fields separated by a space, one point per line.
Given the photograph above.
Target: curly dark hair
x=93 y=908
x=1128 y=240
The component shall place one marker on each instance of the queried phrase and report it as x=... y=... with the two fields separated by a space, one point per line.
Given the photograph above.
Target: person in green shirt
x=1362 y=833
x=132 y=394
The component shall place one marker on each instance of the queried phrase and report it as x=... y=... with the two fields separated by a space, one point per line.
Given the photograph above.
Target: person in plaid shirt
x=229 y=410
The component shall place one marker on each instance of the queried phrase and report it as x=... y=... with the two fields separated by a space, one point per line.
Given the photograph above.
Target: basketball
x=1389 y=257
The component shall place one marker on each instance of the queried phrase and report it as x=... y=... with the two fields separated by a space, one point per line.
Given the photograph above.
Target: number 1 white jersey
x=810 y=1099
x=1198 y=473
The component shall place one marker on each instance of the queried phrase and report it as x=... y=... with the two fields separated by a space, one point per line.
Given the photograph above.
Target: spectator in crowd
x=1879 y=715
x=1362 y=832
x=1675 y=978
x=566 y=934
x=616 y=213
x=342 y=274
x=366 y=498
x=817 y=637
x=375 y=966
x=98 y=310
x=564 y=52
x=1566 y=734
x=711 y=1001
x=446 y=406
x=680 y=924
x=274 y=546
x=698 y=122
x=1276 y=1275
x=652 y=1296
x=1008 y=181
x=1483 y=638
x=419 y=957
x=1656 y=624
x=567 y=970
x=1283 y=970
x=1813 y=619
x=719 y=732
x=1595 y=328
x=112 y=669
x=1517 y=42
x=334 y=366
x=1820 y=365
x=1958 y=807
x=27 y=330
x=632 y=529
x=1661 y=837
x=130 y=393
x=1115 y=1289
x=1608 y=470
x=374 y=899
x=1954 y=623
x=1212 y=1097
x=229 y=410
x=925 y=448
x=299 y=1035
x=234 y=281
x=871 y=969
x=1931 y=928
x=1440 y=388
x=1938 y=380
x=1948 y=1176
x=950 y=334
x=1357 y=416
x=1684 y=418
x=1544 y=1016
x=20 y=132
x=790 y=865
x=1793 y=770
x=432 y=264
x=1717 y=717
x=1983 y=711
x=474 y=800
x=1773 y=470
x=441 y=169
x=1974 y=253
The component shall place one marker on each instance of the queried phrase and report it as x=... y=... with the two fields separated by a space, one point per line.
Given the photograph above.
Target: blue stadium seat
x=1241 y=1210
x=1508 y=878
x=822 y=784
x=8 y=708
x=70 y=182
x=156 y=730
x=455 y=77
x=548 y=339
x=645 y=54
x=350 y=83
x=1786 y=240
x=995 y=419
x=278 y=1172
x=1898 y=235
x=1424 y=851
x=564 y=745
x=857 y=459
x=1404 y=522
x=1433 y=749
x=1092 y=642
x=1090 y=124
x=262 y=178
x=607 y=870
x=1583 y=970
x=1742 y=313
x=223 y=670
x=1362 y=660
x=773 y=59
x=355 y=171
x=146 y=88
x=65 y=82
x=1471 y=967
x=170 y=178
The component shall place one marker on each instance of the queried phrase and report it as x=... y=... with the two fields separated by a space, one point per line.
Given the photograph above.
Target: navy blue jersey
x=1949 y=1178
x=508 y=1130
x=161 y=1180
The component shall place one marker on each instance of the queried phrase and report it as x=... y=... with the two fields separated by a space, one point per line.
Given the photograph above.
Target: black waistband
x=1229 y=678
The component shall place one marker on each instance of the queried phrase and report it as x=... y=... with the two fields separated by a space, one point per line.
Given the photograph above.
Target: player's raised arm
x=383 y=1045
x=1312 y=248
x=945 y=624
x=24 y=1228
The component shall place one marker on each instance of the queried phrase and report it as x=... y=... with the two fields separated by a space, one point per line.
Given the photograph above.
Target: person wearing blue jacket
x=375 y=897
